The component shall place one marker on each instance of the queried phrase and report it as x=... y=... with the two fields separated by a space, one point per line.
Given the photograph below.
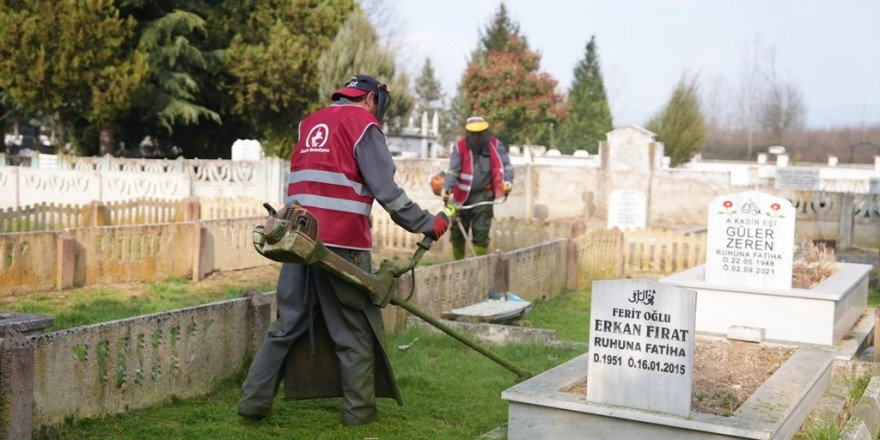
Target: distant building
x=418 y=141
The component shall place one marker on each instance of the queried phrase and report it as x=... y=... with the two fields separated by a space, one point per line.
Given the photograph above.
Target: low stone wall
x=40 y=261
x=114 y=367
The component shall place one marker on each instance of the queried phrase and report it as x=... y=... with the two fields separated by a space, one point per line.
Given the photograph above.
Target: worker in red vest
x=479 y=171
x=339 y=167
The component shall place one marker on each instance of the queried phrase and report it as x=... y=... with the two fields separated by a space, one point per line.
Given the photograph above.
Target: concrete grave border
x=538 y=409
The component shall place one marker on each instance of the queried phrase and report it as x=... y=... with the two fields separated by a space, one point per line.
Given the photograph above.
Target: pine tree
x=499 y=32
x=174 y=62
x=429 y=91
x=680 y=125
x=589 y=118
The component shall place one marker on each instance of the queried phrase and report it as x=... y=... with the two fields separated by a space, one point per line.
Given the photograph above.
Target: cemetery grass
x=450 y=391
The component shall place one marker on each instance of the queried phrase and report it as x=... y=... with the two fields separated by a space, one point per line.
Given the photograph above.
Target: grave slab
x=490 y=310
x=821 y=315
x=540 y=408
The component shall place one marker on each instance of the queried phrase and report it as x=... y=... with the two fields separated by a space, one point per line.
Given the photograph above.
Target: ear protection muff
x=383 y=101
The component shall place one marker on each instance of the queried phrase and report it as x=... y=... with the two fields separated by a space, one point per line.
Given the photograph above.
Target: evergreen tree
x=589 y=118
x=174 y=61
x=520 y=103
x=680 y=125
x=499 y=32
x=429 y=91
x=503 y=84
x=70 y=59
x=356 y=50
x=270 y=70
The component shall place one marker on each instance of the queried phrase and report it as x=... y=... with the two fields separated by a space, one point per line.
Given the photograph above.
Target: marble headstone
x=642 y=345
x=750 y=240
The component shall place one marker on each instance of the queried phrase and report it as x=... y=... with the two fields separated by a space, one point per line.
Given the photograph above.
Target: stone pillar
x=501 y=283
x=99 y=216
x=200 y=252
x=845 y=222
x=571 y=266
x=66 y=263
x=17 y=372
x=192 y=209
x=260 y=316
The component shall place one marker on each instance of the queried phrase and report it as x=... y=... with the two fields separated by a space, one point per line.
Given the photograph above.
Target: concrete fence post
x=501 y=283
x=259 y=316
x=65 y=265
x=845 y=222
x=192 y=210
x=571 y=265
x=17 y=372
x=16 y=385
x=578 y=229
x=99 y=214
x=200 y=252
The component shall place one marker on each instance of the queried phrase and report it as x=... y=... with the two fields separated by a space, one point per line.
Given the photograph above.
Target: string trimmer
x=290 y=235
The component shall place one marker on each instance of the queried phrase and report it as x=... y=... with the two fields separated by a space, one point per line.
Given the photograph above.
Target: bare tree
x=782 y=111
x=766 y=102
x=748 y=97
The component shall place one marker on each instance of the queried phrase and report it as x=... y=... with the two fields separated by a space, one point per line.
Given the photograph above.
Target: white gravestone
x=247 y=149
x=627 y=209
x=750 y=240
x=642 y=345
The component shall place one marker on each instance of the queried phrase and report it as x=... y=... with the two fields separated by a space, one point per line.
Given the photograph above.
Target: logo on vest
x=316 y=139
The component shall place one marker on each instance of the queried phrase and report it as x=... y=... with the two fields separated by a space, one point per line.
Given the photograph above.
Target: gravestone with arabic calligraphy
x=750 y=240
x=642 y=345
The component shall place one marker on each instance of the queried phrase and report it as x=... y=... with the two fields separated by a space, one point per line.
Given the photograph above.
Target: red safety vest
x=325 y=178
x=462 y=188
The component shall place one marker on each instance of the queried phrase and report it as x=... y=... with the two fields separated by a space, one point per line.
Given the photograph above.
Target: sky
x=829 y=50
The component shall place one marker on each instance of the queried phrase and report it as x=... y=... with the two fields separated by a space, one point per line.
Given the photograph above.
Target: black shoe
x=252 y=413
x=358 y=421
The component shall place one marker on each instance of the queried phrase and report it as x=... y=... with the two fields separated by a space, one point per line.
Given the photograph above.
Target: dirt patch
x=726 y=373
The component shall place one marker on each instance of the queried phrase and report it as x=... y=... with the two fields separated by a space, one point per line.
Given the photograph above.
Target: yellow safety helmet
x=476 y=124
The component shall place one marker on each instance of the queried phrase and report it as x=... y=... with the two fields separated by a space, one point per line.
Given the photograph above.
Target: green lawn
x=450 y=391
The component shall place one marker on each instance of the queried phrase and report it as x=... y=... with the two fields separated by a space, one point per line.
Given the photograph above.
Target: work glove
x=441 y=224
x=449 y=210
x=446 y=195
x=506 y=186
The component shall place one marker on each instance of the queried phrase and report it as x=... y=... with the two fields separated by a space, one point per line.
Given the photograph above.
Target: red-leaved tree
x=520 y=103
